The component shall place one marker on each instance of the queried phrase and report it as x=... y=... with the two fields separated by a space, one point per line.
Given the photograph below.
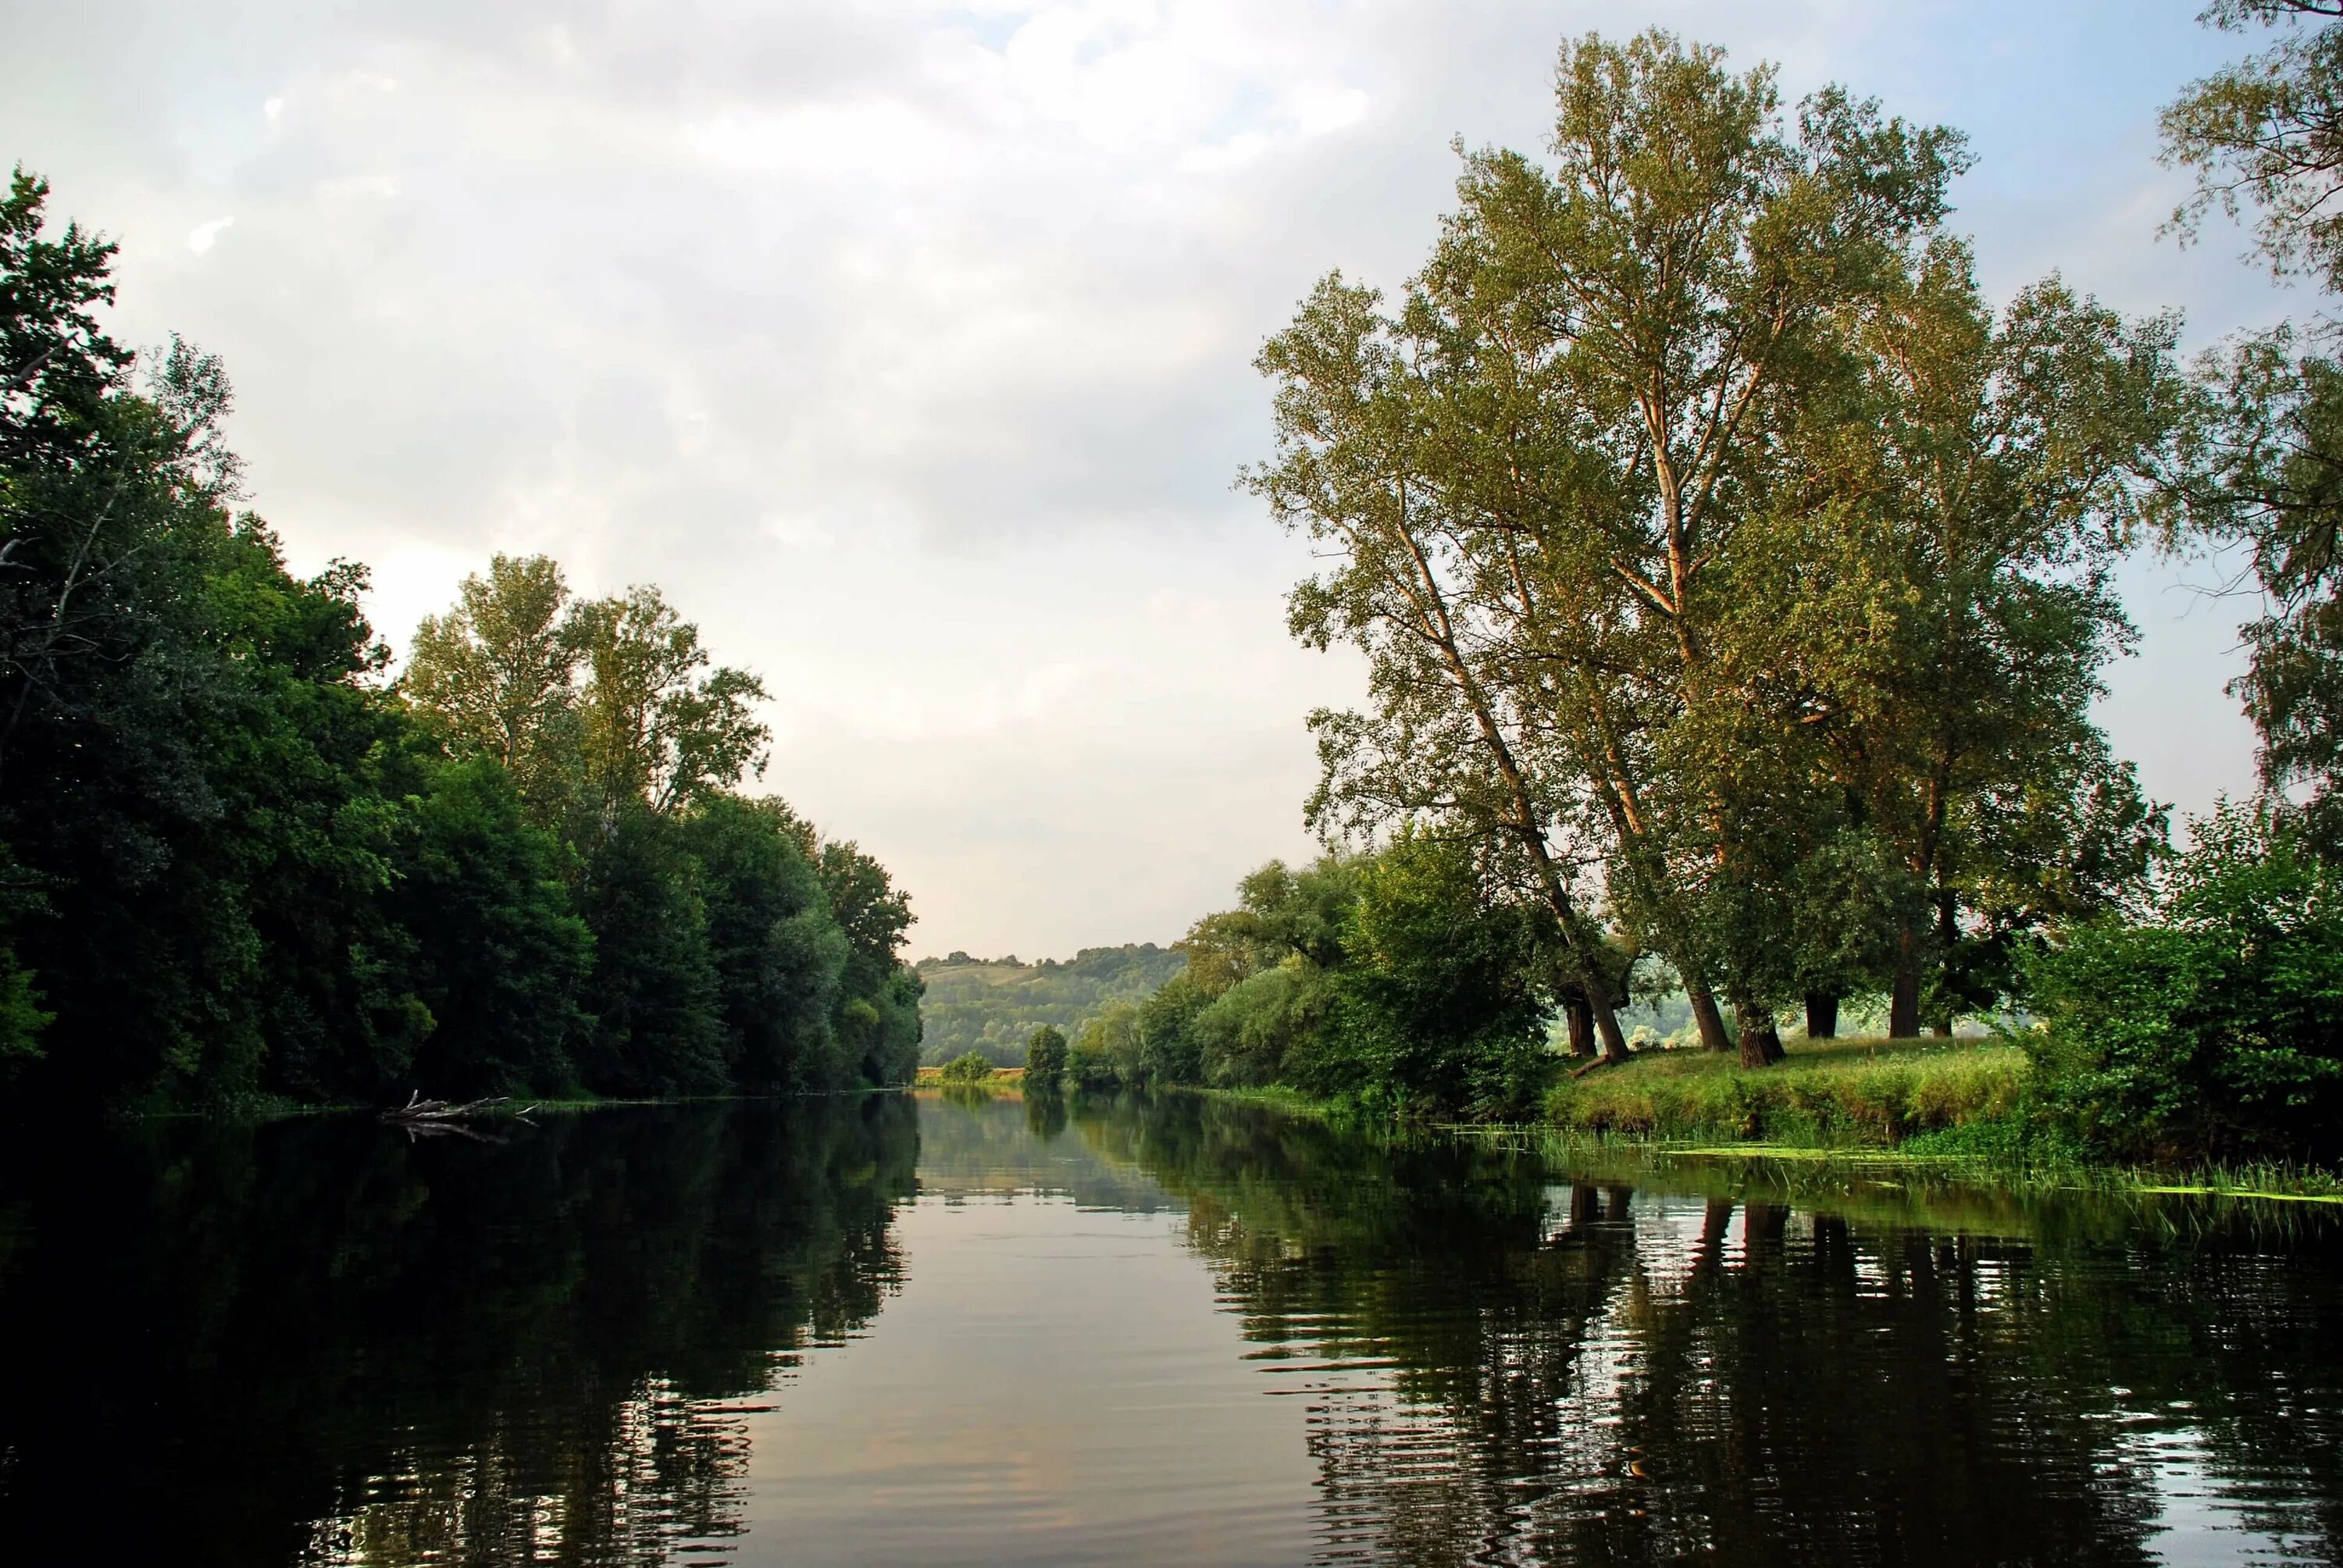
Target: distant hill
x=991 y=1005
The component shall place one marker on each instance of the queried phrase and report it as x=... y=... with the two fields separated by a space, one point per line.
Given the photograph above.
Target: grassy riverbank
x=1950 y=1109
x=1877 y=1092
x=1001 y=1078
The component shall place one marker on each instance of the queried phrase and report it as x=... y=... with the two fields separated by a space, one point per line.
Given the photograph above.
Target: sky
x=907 y=346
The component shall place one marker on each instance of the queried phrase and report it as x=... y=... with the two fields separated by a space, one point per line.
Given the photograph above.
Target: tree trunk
x=1904 y=994
x=1947 y=933
x=1761 y=1042
x=1581 y=1014
x=1822 y=1015
x=1714 y=1223
x=1606 y=1023
x=1707 y=1019
x=1557 y=897
x=1566 y=915
x=1598 y=995
x=1764 y=1227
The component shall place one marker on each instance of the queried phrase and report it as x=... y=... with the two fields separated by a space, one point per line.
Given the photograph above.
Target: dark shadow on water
x=443 y=1350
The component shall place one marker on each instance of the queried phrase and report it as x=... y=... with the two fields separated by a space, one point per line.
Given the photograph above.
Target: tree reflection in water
x=314 y=1342
x=1506 y=1363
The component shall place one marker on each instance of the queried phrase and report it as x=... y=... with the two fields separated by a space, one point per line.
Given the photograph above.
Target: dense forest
x=1735 y=581
x=239 y=861
x=993 y=1006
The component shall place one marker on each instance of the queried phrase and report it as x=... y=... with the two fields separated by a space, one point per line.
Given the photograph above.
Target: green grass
x=1879 y=1093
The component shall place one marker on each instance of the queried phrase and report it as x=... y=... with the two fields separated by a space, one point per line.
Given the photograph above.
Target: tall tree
x=779 y=952
x=1936 y=582
x=497 y=674
x=1539 y=472
x=235 y=862
x=1442 y=739
x=658 y=724
x=2265 y=136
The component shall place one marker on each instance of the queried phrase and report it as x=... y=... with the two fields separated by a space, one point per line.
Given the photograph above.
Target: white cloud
x=204 y=234
x=802 y=532
x=1317 y=108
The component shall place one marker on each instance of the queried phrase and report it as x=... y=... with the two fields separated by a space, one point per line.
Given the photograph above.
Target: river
x=905 y=1329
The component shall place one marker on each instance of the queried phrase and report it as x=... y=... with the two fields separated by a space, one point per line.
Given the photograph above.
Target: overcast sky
x=908 y=346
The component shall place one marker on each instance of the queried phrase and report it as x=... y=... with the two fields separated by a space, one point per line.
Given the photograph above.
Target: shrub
x=1436 y=1007
x=1244 y=1036
x=970 y=1067
x=1105 y=1053
x=2214 y=1027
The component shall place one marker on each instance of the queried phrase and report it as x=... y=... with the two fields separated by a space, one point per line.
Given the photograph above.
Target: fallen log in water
x=429 y=1116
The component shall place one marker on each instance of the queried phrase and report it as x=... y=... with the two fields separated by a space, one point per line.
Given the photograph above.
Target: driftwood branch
x=434 y=1118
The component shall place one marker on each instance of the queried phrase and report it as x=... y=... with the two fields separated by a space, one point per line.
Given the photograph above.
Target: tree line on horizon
x=239 y=863
x=991 y=1006
x=1734 y=582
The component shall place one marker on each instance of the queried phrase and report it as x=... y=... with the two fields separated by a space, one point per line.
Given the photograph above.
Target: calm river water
x=908 y=1331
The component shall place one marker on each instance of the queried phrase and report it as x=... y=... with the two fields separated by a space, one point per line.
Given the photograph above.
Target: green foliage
x=651 y=729
x=1105 y=1053
x=654 y=998
x=501 y=957
x=2267 y=133
x=1394 y=980
x=235 y=863
x=780 y=956
x=2214 y=1027
x=493 y=676
x=973 y=1004
x=2267 y=474
x=1164 y=1046
x=2264 y=464
x=1045 y=1058
x=1245 y=1037
x=1435 y=1004
x=970 y=1067
x=594 y=705
x=878 y=1026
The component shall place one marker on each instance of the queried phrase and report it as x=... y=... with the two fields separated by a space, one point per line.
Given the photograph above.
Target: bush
x=1105 y=1053
x=2215 y=1028
x=1435 y=1008
x=970 y=1067
x=1243 y=1038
